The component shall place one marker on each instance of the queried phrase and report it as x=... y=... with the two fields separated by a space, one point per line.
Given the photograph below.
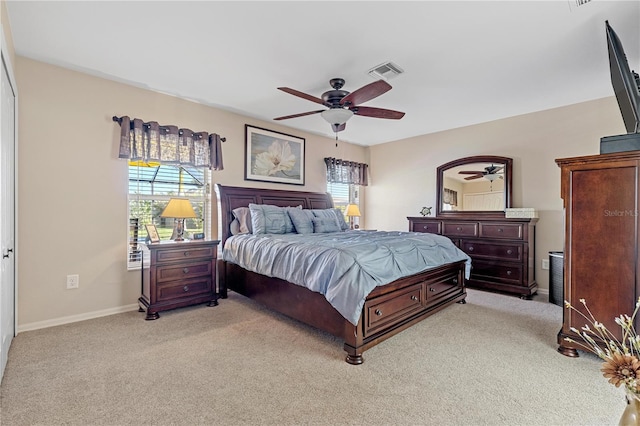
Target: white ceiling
x=464 y=62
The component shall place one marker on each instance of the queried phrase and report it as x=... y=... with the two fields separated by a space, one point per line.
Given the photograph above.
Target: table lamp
x=352 y=211
x=178 y=209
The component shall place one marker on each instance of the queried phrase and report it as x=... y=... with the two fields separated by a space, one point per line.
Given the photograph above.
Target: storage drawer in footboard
x=384 y=311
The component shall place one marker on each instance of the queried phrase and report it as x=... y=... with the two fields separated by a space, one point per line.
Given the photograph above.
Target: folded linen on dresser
x=343 y=266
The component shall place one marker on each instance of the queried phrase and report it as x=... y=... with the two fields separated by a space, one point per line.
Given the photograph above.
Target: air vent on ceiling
x=387 y=71
x=581 y=2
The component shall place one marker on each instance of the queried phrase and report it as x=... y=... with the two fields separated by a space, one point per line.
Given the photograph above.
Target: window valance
x=450 y=197
x=168 y=144
x=343 y=171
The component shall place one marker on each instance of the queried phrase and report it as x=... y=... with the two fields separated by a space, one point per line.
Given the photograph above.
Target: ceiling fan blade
x=473 y=177
x=302 y=95
x=302 y=114
x=366 y=93
x=377 y=112
x=471 y=172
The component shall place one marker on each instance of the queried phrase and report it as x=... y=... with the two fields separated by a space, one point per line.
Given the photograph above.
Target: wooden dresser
x=601 y=266
x=177 y=274
x=502 y=250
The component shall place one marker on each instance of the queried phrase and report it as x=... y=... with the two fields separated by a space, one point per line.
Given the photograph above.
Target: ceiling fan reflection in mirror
x=490 y=173
x=343 y=105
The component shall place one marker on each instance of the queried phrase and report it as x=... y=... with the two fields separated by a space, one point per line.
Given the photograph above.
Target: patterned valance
x=450 y=197
x=168 y=144
x=343 y=171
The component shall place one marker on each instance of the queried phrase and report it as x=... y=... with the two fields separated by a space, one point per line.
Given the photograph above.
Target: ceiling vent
x=386 y=71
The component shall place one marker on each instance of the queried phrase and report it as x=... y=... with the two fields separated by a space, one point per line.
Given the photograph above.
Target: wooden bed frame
x=388 y=310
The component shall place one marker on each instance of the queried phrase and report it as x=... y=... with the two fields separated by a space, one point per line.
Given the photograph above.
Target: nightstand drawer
x=187 y=288
x=184 y=271
x=187 y=253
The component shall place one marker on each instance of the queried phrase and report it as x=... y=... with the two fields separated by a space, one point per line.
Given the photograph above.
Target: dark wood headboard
x=231 y=197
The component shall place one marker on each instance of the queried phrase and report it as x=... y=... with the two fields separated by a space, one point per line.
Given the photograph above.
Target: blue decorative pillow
x=343 y=223
x=325 y=224
x=267 y=219
x=334 y=214
x=302 y=220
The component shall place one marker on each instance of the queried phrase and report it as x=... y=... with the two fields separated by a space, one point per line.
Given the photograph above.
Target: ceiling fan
x=489 y=172
x=343 y=105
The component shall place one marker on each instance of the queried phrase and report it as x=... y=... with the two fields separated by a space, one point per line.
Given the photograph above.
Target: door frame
x=6 y=58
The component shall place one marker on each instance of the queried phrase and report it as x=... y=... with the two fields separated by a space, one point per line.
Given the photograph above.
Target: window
x=344 y=194
x=151 y=185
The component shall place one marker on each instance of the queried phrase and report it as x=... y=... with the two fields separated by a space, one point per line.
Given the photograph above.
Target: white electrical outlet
x=73 y=281
x=545 y=263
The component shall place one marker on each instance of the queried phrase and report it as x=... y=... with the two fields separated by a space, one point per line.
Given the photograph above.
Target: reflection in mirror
x=474 y=184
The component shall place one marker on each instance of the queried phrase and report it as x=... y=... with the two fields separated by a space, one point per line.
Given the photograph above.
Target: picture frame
x=272 y=156
x=152 y=231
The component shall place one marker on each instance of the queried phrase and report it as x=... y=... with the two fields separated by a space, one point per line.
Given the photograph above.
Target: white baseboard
x=75 y=318
x=544 y=291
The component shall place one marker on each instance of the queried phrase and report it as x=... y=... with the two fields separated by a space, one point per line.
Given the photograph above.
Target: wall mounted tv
x=626 y=85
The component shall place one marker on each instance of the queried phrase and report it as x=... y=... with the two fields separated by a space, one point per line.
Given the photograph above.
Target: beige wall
x=534 y=141
x=73 y=188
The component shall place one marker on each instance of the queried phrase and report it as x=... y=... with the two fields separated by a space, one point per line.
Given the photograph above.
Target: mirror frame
x=508 y=187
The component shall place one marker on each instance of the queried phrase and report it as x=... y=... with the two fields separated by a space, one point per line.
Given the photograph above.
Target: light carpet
x=492 y=361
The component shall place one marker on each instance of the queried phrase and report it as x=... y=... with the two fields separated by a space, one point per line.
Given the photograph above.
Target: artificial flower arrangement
x=621 y=356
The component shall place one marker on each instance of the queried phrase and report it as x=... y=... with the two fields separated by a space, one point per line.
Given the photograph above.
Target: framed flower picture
x=273 y=156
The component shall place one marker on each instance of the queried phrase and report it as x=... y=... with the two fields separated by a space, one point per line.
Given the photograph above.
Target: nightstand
x=178 y=274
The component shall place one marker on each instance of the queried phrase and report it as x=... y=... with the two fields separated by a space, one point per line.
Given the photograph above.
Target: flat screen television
x=626 y=83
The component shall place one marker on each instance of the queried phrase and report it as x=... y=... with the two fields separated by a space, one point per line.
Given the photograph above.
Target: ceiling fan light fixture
x=491 y=177
x=337 y=115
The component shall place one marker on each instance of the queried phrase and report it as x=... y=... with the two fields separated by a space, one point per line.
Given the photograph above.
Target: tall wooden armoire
x=600 y=194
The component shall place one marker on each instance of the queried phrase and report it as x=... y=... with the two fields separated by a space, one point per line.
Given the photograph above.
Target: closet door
x=7 y=215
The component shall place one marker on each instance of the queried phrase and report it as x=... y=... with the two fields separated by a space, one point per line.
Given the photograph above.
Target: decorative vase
x=631 y=414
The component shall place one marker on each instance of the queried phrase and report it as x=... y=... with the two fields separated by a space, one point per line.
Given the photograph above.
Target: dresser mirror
x=474 y=186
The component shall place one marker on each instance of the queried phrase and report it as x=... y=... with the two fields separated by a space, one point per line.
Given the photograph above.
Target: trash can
x=556 y=277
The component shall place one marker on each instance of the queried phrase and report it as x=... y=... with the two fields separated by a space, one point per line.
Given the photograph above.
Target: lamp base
x=178 y=230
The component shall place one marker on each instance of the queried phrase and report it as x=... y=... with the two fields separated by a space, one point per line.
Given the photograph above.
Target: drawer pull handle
x=186 y=254
x=455 y=280
x=458 y=229
x=431 y=289
x=509 y=251
x=426 y=227
x=185 y=288
x=499 y=229
x=470 y=248
x=508 y=272
x=414 y=298
x=185 y=270
x=378 y=312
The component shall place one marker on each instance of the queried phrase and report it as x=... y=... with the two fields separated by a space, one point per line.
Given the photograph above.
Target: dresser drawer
x=513 y=231
x=187 y=288
x=385 y=310
x=460 y=229
x=187 y=253
x=511 y=274
x=183 y=271
x=426 y=227
x=500 y=251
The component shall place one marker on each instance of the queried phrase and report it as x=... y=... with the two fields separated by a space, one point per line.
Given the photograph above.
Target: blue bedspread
x=343 y=266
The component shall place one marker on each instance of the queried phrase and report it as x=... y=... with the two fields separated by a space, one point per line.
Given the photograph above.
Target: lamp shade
x=491 y=177
x=352 y=210
x=178 y=208
x=337 y=115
